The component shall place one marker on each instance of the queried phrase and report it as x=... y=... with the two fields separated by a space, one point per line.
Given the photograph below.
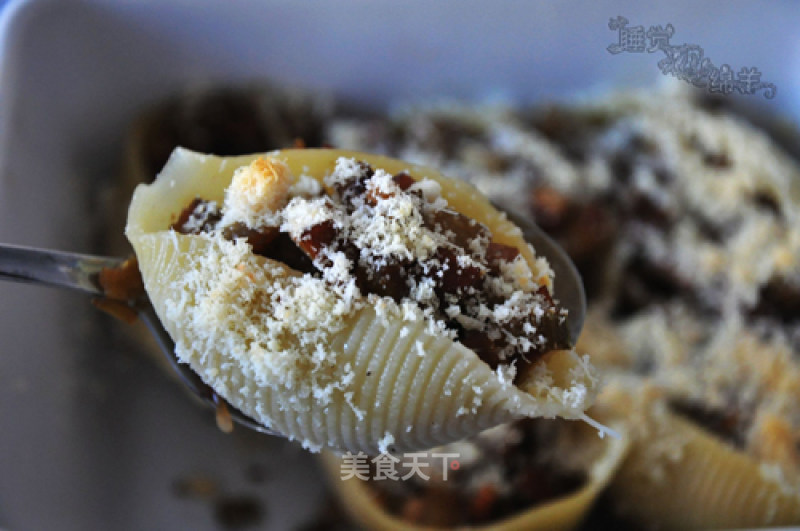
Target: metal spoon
x=81 y=272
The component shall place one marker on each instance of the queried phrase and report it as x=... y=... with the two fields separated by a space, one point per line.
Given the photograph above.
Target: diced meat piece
x=282 y=249
x=385 y=280
x=461 y=229
x=259 y=238
x=355 y=187
x=403 y=180
x=451 y=276
x=498 y=254
x=478 y=341
x=314 y=239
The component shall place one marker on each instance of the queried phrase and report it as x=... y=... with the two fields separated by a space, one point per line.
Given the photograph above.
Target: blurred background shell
x=680 y=475
x=364 y=505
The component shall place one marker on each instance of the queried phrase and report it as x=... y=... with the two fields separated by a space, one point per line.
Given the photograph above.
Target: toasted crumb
x=256 y=191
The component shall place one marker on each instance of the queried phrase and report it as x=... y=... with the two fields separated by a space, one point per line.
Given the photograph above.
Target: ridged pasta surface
x=379 y=378
x=705 y=484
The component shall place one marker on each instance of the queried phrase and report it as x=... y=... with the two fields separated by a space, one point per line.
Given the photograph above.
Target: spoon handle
x=80 y=272
x=53 y=268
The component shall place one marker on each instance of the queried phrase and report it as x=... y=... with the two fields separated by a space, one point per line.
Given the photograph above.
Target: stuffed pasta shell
x=530 y=474
x=353 y=301
x=687 y=470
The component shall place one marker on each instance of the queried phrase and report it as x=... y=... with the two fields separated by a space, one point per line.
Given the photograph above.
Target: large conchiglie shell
x=566 y=512
x=382 y=377
x=705 y=484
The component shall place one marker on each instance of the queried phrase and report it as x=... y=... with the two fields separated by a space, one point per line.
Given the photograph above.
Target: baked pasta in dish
x=685 y=224
x=351 y=301
x=683 y=220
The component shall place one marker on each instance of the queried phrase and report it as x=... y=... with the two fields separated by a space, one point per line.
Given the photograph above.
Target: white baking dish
x=93 y=435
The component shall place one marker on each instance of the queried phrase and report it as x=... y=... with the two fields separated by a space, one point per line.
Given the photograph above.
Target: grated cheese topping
x=285 y=324
x=378 y=239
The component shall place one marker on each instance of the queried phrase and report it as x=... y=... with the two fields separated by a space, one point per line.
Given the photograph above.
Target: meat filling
x=461 y=279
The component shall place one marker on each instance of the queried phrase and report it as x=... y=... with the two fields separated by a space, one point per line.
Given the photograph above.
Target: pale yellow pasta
x=682 y=476
x=706 y=484
x=564 y=512
x=381 y=377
